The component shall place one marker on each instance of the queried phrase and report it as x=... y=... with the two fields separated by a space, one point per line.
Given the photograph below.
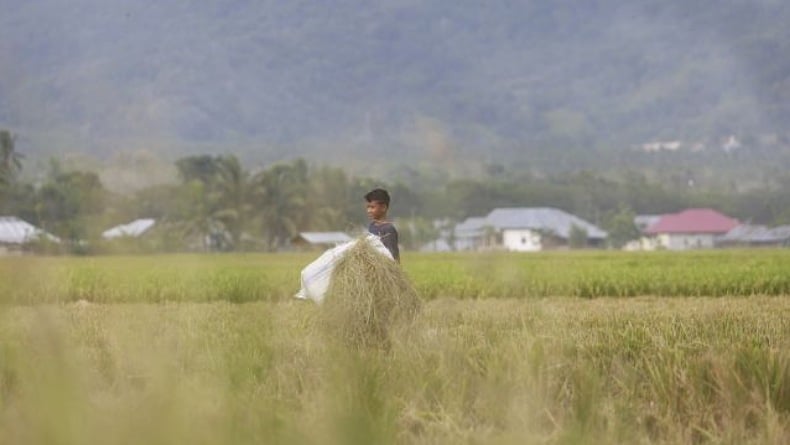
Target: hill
x=545 y=84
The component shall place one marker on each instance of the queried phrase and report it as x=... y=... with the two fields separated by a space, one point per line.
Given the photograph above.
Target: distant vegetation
x=219 y=199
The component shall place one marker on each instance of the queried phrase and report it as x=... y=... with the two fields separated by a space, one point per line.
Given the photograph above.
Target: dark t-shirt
x=389 y=237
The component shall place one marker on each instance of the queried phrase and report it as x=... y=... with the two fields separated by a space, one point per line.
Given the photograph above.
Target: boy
x=377 y=206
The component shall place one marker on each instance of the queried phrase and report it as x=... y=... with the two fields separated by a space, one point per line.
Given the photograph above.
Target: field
x=567 y=348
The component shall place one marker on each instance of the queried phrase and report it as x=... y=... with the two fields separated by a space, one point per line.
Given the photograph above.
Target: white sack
x=316 y=276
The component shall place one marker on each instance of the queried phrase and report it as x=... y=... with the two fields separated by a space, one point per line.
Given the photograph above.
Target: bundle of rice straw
x=369 y=296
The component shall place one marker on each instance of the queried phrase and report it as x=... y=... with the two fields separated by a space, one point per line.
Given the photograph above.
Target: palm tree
x=215 y=192
x=281 y=194
x=229 y=196
x=10 y=159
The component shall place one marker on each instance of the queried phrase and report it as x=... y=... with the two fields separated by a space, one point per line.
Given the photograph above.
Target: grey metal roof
x=472 y=226
x=541 y=218
x=16 y=231
x=133 y=229
x=747 y=233
x=325 y=237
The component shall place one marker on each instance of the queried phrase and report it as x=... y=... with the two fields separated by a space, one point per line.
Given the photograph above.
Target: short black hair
x=379 y=195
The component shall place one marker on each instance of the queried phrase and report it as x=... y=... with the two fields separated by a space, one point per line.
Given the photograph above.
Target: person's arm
x=390 y=241
x=395 y=249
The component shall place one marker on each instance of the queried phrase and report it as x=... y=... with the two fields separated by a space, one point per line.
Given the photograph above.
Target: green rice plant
x=275 y=277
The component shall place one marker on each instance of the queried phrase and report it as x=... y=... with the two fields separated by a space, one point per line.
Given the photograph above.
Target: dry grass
x=369 y=296
x=544 y=371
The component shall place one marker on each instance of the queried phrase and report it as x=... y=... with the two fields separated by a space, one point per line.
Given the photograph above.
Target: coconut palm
x=10 y=159
x=215 y=189
x=229 y=196
x=280 y=196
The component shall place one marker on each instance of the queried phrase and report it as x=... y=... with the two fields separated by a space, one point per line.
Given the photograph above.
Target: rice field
x=242 y=278
x=507 y=349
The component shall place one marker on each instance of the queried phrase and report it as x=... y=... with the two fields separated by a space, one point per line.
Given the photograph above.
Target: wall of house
x=463 y=243
x=521 y=240
x=674 y=241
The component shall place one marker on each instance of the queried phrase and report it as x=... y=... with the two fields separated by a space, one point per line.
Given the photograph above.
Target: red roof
x=693 y=221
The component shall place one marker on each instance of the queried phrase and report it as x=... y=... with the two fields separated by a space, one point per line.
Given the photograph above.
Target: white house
x=522 y=229
x=689 y=229
x=469 y=234
x=529 y=229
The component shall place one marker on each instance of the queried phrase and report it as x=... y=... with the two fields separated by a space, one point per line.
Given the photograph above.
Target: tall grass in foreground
x=564 y=371
x=275 y=277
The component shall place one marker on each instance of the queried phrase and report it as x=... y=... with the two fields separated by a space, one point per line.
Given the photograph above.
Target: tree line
x=218 y=204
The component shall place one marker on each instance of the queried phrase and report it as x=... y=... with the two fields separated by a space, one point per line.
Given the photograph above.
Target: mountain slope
x=270 y=79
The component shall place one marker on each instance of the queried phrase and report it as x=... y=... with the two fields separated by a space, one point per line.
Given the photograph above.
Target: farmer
x=378 y=202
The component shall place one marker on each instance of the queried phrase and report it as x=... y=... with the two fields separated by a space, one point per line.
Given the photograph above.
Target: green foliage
x=69 y=203
x=413 y=233
x=281 y=194
x=10 y=159
x=621 y=228
x=219 y=200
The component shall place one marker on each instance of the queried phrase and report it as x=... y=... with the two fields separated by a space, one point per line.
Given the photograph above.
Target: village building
x=133 y=229
x=748 y=235
x=521 y=229
x=689 y=229
x=15 y=233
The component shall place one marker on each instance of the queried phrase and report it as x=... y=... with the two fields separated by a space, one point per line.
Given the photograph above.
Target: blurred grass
x=488 y=360
x=502 y=371
x=275 y=277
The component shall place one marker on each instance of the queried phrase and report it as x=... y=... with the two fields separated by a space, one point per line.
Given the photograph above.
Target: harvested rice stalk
x=369 y=297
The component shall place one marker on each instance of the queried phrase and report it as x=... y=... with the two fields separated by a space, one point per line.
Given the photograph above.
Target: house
x=320 y=239
x=642 y=222
x=522 y=229
x=133 y=229
x=688 y=229
x=527 y=229
x=437 y=245
x=469 y=234
x=747 y=235
x=15 y=233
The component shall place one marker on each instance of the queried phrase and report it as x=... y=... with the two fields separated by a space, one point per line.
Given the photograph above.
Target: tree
x=201 y=168
x=10 y=159
x=280 y=197
x=329 y=199
x=229 y=196
x=215 y=193
x=621 y=227
x=69 y=202
x=577 y=238
x=416 y=232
